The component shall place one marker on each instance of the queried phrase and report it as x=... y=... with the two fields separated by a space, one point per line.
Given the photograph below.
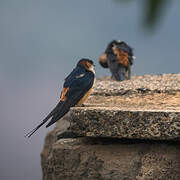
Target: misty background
x=40 y=43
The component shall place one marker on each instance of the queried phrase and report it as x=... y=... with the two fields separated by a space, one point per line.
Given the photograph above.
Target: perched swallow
x=76 y=89
x=118 y=57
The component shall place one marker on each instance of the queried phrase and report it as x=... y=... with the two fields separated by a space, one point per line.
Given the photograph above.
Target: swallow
x=76 y=89
x=118 y=57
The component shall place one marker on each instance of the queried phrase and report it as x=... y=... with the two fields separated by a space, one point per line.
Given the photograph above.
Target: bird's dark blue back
x=72 y=76
x=78 y=83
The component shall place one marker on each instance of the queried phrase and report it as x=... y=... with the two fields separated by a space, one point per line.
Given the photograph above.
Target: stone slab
x=121 y=123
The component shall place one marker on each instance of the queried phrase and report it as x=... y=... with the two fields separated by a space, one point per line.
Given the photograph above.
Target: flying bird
x=118 y=57
x=76 y=89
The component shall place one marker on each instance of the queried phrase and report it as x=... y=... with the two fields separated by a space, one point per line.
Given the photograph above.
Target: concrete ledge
x=132 y=124
x=162 y=83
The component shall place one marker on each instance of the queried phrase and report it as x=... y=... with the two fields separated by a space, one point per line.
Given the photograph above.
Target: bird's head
x=112 y=43
x=109 y=49
x=87 y=64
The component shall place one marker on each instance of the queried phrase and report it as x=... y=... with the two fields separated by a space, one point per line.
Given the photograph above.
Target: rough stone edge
x=137 y=124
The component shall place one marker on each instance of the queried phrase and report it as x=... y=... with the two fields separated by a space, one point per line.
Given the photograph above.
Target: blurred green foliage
x=153 y=11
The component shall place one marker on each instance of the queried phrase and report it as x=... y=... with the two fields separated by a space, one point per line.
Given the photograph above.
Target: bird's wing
x=72 y=95
x=103 y=60
x=72 y=76
x=122 y=57
x=126 y=48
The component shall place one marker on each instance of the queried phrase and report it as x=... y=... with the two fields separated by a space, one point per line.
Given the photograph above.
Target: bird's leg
x=128 y=72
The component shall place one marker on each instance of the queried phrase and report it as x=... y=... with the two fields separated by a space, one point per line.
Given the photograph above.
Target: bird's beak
x=134 y=57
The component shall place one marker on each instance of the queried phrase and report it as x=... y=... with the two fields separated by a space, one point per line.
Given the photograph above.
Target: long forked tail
x=29 y=134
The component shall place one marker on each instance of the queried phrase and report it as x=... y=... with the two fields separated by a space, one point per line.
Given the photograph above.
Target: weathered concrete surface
x=138 y=84
x=139 y=101
x=82 y=159
x=133 y=124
